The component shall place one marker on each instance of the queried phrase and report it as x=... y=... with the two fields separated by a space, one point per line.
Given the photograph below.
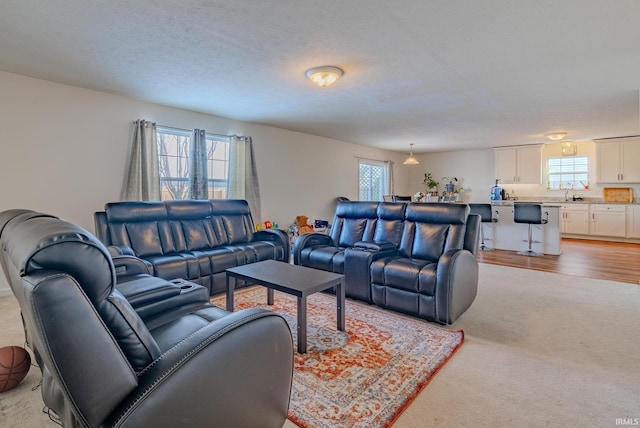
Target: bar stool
x=486 y=216
x=529 y=214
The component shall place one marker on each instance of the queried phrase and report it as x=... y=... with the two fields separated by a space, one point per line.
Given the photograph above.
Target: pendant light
x=411 y=160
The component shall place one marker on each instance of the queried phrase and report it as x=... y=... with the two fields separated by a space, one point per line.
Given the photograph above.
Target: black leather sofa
x=105 y=365
x=194 y=240
x=416 y=258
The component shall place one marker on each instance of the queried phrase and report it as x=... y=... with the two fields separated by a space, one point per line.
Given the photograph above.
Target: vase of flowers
x=449 y=187
x=419 y=197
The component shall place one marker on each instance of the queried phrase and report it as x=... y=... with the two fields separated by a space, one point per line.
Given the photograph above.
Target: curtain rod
x=173 y=128
x=375 y=160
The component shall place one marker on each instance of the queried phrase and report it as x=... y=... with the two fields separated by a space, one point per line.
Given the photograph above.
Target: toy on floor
x=14 y=366
x=302 y=226
x=268 y=224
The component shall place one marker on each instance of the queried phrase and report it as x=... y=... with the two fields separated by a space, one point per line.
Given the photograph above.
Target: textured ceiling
x=442 y=75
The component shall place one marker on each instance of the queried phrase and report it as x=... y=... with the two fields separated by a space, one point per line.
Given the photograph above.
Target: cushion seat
x=172 y=266
x=405 y=273
x=324 y=257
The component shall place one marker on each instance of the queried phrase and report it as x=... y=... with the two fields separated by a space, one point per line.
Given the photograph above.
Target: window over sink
x=568 y=172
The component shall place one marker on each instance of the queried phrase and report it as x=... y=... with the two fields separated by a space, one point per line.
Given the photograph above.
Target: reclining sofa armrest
x=357 y=266
x=275 y=235
x=151 y=296
x=130 y=265
x=101 y=226
x=211 y=375
x=379 y=249
x=309 y=240
x=472 y=233
x=456 y=284
x=120 y=250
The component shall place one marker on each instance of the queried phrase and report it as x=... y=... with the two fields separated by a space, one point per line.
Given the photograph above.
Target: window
x=173 y=154
x=372 y=180
x=571 y=172
x=217 y=166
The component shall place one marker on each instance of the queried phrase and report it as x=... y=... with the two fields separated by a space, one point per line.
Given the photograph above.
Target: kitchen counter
x=591 y=218
x=556 y=202
x=509 y=203
x=509 y=235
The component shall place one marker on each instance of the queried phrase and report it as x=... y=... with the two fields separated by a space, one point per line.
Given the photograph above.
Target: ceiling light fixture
x=569 y=148
x=411 y=160
x=324 y=76
x=555 y=136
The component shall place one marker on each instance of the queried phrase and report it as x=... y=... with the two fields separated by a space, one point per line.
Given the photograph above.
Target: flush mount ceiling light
x=411 y=160
x=324 y=76
x=555 y=136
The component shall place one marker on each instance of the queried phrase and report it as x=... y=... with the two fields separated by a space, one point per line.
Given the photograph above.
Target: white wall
x=473 y=168
x=63 y=151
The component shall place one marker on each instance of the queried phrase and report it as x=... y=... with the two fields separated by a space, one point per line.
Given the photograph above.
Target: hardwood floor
x=616 y=261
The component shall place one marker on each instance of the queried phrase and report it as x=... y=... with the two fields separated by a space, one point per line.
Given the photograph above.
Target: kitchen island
x=509 y=235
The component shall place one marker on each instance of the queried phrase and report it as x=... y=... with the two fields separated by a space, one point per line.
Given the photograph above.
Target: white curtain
x=390 y=178
x=243 y=175
x=142 y=180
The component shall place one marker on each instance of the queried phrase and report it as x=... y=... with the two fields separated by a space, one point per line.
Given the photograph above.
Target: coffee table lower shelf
x=298 y=281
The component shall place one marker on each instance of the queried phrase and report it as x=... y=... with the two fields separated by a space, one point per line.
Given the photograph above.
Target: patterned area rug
x=363 y=377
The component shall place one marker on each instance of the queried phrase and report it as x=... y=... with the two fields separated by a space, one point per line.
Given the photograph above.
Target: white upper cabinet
x=520 y=165
x=618 y=160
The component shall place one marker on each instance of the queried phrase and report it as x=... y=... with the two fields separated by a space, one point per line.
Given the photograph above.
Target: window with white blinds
x=569 y=172
x=373 y=181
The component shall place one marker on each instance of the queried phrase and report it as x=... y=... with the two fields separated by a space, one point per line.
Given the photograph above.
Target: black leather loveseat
x=416 y=258
x=194 y=240
x=103 y=364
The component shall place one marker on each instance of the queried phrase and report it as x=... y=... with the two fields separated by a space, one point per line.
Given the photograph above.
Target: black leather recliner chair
x=104 y=365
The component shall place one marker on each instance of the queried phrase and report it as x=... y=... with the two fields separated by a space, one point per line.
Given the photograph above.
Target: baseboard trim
x=4 y=292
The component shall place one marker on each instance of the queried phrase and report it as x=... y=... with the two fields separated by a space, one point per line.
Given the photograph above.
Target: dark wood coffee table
x=296 y=280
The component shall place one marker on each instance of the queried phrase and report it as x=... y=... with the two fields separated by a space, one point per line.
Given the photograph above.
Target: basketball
x=14 y=366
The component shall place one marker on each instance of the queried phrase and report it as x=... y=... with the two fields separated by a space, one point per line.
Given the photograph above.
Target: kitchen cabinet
x=608 y=220
x=518 y=165
x=633 y=221
x=574 y=219
x=618 y=160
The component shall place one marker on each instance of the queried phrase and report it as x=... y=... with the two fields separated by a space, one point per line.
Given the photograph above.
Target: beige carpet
x=540 y=349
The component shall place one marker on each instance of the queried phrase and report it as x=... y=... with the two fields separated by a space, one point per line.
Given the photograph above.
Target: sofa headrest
x=188 y=210
x=357 y=209
x=135 y=211
x=229 y=207
x=437 y=213
x=18 y=215
x=391 y=211
x=32 y=243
